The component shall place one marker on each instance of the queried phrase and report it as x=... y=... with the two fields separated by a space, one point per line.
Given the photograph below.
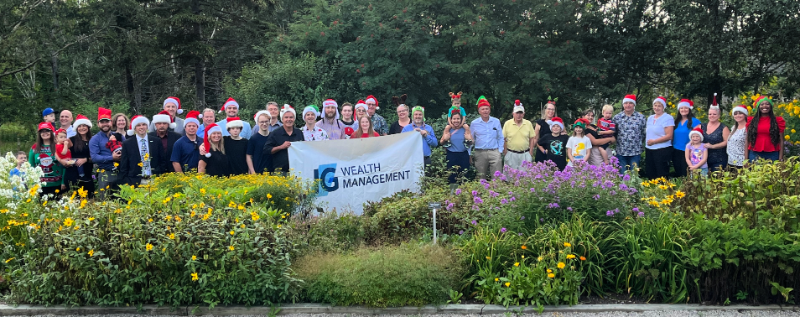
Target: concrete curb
x=478 y=309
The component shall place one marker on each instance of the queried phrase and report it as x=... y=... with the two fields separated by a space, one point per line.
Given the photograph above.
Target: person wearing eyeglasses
x=185 y=152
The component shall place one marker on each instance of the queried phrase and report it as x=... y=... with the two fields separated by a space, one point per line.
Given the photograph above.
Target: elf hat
x=556 y=121
x=103 y=114
x=763 y=99
x=287 y=108
x=258 y=114
x=81 y=119
x=45 y=126
x=714 y=104
x=482 y=102
x=164 y=117
x=311 y=108
x=372 y=98
x=191 y=117
x=229 y=103
x=137 y=119
x=455 y=96
x=47 y=111
x=518 y=107
x=686 y=103
x=211 y=128
x=740 y=108
x=697 y=131
x=233 y=122
x=661 y=100
x=173 y=100
x=629 y=98
x=331 y=103
x=580 y=123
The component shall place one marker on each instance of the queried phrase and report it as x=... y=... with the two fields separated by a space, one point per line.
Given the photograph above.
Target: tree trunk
x=199 y=64
x=54 y=67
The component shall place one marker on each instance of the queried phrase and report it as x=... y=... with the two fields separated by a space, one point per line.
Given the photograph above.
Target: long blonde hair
x=214 y=147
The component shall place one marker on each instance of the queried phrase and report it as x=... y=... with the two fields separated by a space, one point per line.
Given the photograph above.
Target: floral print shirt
x=630 y=133
x=379 y=124
x=317 y=134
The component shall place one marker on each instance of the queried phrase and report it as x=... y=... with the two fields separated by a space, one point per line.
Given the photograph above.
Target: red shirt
x=763 y=139
x=366 y=135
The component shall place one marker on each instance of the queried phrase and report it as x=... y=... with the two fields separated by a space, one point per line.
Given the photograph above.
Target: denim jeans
x=772 y=156
x=627 y=163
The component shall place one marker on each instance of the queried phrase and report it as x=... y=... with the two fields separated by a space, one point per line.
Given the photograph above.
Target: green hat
x=418 y=108
x=311 y=108
x=482 y=97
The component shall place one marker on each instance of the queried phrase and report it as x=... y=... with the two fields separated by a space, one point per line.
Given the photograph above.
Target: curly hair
x=774 y=133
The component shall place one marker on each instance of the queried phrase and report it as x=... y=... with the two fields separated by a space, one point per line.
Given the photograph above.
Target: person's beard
x=330 y=117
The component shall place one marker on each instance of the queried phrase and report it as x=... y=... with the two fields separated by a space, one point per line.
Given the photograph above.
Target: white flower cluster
x=15 y=189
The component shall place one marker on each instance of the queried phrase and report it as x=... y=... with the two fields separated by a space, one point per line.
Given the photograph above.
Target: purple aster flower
x=635 y=209
x=610 y=213
x=522 y=218
x=486 y=186
x=478 y=200
x=497 y=174
x=503 y=230
x=612 y=193
x=569 y=208
x=449 y=206
x=475 y=207
x=533 y=190
x=640 y=214
x=503 y=201
x=474 y=222
x=519 y=234
x=461 y=232
x=596 y=197
x=626 y=177
x=512 y=198
x=458 y=191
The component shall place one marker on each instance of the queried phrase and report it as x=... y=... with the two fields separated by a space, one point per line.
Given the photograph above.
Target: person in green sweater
x=42 y=155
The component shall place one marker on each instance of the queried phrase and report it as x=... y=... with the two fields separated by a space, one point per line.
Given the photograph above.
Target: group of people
x=131 y=151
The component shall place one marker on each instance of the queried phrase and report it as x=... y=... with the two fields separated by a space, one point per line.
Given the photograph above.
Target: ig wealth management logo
x=328 y=182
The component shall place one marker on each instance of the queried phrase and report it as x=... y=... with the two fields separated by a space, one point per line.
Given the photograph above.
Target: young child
x=21 y=159
x=554 y=144
x=114 y=145
x=49 y=115
x=579 y=144
x=607 y=129
x=62 y=149
x=696 y=152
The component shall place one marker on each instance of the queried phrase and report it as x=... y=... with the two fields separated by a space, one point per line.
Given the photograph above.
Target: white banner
x=356 y=171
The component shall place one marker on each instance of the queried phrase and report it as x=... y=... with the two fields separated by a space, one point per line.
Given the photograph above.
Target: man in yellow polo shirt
x=519 y=136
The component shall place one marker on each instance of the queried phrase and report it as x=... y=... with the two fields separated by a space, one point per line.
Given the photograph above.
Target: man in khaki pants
x=488 y=136
x=519 y=135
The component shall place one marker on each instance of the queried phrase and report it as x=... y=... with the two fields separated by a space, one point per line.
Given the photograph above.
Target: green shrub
x=386 y=277
x=326 y=232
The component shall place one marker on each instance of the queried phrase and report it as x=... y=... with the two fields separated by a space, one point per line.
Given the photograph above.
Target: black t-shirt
x=396 y=128
x=236 y=150
x=261 y=160
x=217 y=164
x=556 y=147
x=280 y=159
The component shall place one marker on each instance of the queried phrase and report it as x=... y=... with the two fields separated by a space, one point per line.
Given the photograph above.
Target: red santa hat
x=192 y=117
x=372 y=99
x=686 y=103
x=173 y=100
x=740 y=108
x=137 y=119
x=164 y=117
x=287 y=108
x=661 y=100
x=258 y=114
x=103 y=114
x=518 y=106
x=234 y=122
x=45 y=126
x=629 y=98
x=81 y=119
x=211 y=128
x=330 y=103
x=359 y=104
x=228 y=103
x=556 y=121
x=697 y=131
x=60 y=131
x=714 y=104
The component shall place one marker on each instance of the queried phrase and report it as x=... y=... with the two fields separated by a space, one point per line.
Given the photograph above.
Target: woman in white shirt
x=737 y=138
x=658 y=151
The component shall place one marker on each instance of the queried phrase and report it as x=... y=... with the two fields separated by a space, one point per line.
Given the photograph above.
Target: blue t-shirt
x=186 y=153
x=457 y=140
x=428 y=142
x=255 y=148
x=680 y=136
